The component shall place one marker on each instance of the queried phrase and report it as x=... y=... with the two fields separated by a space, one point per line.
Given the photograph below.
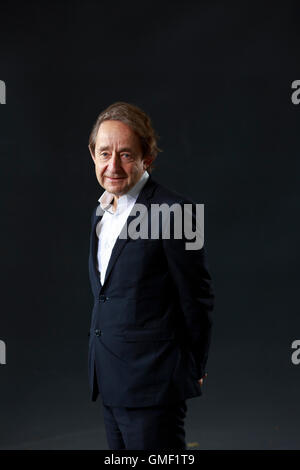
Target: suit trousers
x=159 y=427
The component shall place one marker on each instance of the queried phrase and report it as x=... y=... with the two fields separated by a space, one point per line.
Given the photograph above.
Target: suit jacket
x=151 y=321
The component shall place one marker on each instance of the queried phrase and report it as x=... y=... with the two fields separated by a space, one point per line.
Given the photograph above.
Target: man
x=151 y=321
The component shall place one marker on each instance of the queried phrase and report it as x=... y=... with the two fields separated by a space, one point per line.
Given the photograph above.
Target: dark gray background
x=215 y=77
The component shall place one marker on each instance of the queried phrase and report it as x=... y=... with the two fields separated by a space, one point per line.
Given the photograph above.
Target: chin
x=116 y=188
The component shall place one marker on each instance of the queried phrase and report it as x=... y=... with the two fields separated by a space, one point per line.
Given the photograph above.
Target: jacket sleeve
x=193 y=283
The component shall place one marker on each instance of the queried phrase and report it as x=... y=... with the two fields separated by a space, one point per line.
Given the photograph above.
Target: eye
x=127 y=156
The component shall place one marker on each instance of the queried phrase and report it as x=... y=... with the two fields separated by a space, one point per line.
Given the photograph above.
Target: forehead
x=116 y=133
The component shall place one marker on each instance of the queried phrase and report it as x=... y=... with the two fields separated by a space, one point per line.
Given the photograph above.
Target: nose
x=114 y=163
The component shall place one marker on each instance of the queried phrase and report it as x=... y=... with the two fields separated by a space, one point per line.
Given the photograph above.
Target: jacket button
x=98 y=332
x=103 y=298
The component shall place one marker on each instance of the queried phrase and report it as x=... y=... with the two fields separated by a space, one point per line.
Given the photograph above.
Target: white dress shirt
x=112 y=222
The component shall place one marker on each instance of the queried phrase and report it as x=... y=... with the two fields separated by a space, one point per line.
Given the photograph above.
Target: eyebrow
x=106 y=147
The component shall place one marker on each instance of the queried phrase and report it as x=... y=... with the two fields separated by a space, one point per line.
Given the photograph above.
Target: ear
x=147 y=161
x=91 y=152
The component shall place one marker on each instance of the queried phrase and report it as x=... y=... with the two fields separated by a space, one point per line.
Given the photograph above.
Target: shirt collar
x=123 y=201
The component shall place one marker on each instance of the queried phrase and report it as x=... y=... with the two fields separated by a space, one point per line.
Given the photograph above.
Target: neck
x=115 y=202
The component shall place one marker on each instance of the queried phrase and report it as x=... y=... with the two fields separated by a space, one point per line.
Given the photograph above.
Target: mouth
x=115 y=179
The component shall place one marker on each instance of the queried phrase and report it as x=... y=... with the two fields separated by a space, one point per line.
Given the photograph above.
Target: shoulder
x=94 y=213
x=163 y=194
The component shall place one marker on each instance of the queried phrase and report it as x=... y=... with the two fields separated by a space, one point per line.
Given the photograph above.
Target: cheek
x=99 y=170
x=134 y=170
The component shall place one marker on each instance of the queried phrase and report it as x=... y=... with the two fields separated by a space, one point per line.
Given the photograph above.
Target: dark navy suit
x=151 y=320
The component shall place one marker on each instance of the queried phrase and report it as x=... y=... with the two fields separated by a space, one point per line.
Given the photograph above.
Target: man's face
x=118 y=157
